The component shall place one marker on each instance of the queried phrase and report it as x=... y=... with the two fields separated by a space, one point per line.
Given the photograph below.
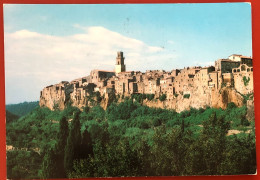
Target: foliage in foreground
x=130 y=140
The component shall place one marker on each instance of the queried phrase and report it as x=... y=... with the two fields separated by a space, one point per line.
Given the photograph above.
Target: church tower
x=120 y=66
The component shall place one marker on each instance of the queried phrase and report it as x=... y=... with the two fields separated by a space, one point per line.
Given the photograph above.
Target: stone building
x=202 y=84
x=243 y=79
x=226 y=65
x=120 y=66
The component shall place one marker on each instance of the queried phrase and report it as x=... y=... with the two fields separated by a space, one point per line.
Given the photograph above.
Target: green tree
x=86 y=144
x=150 y=96
x=162 y=97
x=72 y=148
x=213 y=143
x=49 y=165
x=61 y=144
x=239 y=156
x=168 y=152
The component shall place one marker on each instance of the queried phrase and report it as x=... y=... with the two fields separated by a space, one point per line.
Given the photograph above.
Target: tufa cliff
x=230 y=80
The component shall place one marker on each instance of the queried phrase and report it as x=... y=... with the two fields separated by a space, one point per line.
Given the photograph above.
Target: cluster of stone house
x=235 y=71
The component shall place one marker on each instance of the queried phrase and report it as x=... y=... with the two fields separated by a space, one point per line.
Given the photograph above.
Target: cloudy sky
x=45 y=44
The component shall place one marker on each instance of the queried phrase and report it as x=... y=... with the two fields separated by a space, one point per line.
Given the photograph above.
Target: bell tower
x=120 y=66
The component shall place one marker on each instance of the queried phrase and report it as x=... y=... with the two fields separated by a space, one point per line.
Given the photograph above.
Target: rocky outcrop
x=55 y=96
x=224 y=96
x=250 y=110
x=209 y=98
x=230 y=80
x=59 y=95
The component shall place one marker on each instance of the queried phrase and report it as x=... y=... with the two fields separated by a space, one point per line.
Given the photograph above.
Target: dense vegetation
x=22 y=109
x=10 y=117
x=129 y=139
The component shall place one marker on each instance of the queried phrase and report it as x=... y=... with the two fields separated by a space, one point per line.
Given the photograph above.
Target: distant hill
x=10 y=117
x=22 y=109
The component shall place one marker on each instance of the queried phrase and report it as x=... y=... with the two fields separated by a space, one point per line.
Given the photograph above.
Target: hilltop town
x=230 y=80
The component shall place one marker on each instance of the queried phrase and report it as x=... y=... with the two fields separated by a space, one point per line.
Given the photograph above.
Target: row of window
x=243 y=69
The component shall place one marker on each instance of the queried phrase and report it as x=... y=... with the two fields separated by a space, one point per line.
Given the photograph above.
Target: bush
x=186 y=96
x=246 y=80
x=150 y=96
x=98 y=97
x=162 y=97
x=231 y=105
x=137 y=97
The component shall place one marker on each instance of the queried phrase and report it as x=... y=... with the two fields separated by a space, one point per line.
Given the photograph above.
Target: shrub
x=137 y=97
x=246 y=80
x=186 y=96
x=98 y=97
x=231 y=105
x=162 y=97
x=150 y=96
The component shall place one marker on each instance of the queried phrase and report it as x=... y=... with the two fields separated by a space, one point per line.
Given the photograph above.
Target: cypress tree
x=61 y=144
x=72 y=149
x=86 y=144
x=49 y=165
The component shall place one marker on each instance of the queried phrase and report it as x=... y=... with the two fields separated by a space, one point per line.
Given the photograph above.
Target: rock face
x=54 y=96
x=59 y=95
x=215 y=99
x=250 y=110
x=230 y=80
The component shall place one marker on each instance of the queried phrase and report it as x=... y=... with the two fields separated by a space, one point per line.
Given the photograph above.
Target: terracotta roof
x=248 y=57
x=235 y=55
x=102 y=70
x=227 y=60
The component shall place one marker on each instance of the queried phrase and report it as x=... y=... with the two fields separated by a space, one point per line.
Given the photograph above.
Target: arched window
x=243 y=68
x=248 y=69
x=234 y=70
x=252 y=69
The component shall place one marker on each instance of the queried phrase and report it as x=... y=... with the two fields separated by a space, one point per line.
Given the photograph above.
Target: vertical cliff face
x=243 y=82
x=230 y=80
x=250 y=110
x=224 y=96
x=54 y=96
x=208 y=98
x=59 y=95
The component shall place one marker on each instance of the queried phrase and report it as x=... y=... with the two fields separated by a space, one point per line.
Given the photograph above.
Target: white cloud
x=204 y=64
x=170 y=42
x=41 y=59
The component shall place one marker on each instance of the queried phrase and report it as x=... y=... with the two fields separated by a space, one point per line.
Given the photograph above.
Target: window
x=243 y=68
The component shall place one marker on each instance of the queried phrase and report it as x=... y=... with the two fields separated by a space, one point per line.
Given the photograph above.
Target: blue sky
x=45 y=44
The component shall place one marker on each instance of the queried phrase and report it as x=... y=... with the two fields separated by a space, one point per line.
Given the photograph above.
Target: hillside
x=10 y=117
x=22 y=109
x=127 y=138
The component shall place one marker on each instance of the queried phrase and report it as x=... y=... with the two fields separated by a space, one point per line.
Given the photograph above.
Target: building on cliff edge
x=196 y=87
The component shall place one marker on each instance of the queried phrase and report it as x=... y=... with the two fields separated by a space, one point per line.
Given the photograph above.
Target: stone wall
x=192 y=87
